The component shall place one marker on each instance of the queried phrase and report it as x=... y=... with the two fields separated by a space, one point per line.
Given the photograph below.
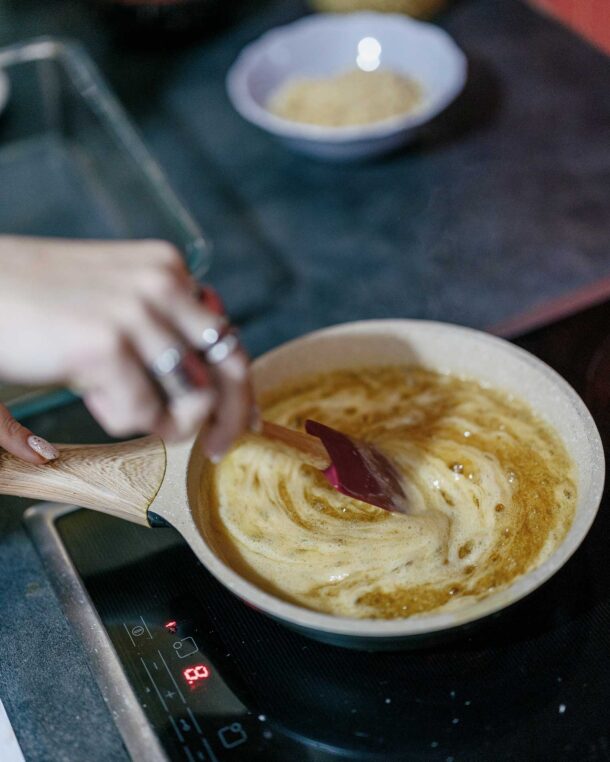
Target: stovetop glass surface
x=219 y=681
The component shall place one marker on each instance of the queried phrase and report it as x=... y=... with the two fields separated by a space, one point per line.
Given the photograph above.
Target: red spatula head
x=359 y=470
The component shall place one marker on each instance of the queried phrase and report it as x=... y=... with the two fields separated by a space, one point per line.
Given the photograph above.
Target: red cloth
x=590 y=18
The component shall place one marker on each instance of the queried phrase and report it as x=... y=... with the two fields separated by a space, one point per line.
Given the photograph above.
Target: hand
x=105 y=318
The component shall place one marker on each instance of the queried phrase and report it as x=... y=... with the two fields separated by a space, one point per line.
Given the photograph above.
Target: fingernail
x=215 y=457
x=211 y=300
x=42 y=447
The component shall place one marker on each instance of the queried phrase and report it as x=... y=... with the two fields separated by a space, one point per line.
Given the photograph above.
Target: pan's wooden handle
x=120 y=479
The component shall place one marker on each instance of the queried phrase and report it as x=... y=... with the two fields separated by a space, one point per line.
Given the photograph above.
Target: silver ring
x=212 y=335
x=169 y=372
x=221 y=349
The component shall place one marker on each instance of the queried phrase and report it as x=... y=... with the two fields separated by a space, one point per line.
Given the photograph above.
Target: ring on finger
x=218 y=343
x=211 y=335
x=169 y=371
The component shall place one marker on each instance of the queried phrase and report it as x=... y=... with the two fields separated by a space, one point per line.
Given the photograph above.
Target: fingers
x=233 y=411
x=117 y=388
x=180 y=376
x=186 y=415
x=19 y=441
x=120 y=387
x=114 y=308
x=156 y=316
x=250 y=416
x=234 y=404
x=233 y=399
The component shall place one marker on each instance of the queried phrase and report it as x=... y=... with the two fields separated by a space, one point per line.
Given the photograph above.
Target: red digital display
x=196 y=674
x=171 y=626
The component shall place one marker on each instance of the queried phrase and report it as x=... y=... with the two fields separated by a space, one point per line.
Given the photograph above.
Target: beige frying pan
x=147 y=482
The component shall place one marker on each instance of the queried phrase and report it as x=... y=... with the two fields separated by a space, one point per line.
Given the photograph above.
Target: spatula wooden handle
x=311 y=448
x=120 y=479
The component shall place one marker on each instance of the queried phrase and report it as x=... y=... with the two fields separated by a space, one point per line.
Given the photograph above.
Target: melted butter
x=492 y=489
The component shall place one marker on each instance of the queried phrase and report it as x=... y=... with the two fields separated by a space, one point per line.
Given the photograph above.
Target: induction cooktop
x=191 y=673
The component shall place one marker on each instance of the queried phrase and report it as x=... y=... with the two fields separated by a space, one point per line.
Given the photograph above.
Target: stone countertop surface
x=501 y=204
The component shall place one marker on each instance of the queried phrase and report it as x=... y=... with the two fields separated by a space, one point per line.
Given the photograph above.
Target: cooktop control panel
x=177 y=683
x=163 y=614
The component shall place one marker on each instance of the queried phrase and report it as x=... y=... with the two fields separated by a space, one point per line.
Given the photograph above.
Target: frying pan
x=151 y=483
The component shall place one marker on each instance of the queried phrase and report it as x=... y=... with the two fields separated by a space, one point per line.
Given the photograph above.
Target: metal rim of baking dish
x=5 y=90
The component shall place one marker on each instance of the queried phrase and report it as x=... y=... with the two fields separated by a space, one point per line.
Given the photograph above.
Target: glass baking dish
x=72 y=165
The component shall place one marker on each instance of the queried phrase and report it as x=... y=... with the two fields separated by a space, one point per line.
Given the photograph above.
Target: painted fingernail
x=211 y=300
x=43 y=448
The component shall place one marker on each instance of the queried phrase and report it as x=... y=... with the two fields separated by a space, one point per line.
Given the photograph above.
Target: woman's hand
x=120 y=323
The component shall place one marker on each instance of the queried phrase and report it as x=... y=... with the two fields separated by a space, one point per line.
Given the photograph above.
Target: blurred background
x=498 y=204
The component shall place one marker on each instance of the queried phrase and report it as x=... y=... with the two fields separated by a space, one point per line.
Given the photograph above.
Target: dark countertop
x=501 y=204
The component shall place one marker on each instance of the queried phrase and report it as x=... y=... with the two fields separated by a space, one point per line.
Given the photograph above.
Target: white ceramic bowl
x=448 y=349
x=327 y=44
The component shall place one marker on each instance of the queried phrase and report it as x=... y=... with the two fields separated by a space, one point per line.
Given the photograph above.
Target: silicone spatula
x=353 y=467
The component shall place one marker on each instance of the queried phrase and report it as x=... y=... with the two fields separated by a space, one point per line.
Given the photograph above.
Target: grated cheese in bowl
x=350 y=98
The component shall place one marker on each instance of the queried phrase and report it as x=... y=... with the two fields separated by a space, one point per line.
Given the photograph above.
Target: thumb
x=20 y=441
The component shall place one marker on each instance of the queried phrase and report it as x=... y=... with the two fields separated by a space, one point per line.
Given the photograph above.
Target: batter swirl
x=491 y=486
